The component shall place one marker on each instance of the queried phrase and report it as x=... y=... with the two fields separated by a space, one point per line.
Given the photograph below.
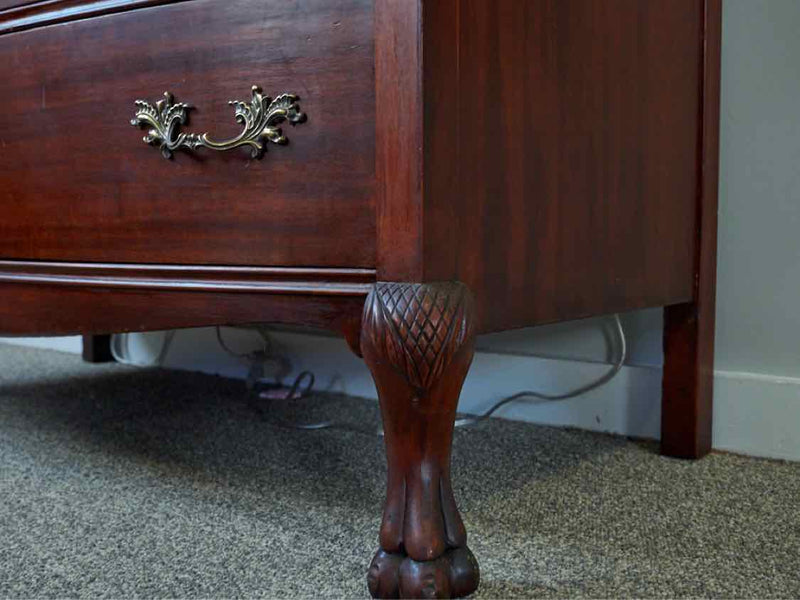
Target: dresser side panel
x=561 y=164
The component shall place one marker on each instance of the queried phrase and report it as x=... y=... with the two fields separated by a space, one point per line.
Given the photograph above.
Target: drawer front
x=78 y=183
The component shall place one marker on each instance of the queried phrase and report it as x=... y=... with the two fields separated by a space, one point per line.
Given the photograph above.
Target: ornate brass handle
x=259 y=118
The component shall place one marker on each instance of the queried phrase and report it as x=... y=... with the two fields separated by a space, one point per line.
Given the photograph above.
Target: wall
x=759 y=261
x=757 y=399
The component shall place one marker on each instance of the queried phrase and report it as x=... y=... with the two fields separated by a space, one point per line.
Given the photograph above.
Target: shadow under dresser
x=408 y=173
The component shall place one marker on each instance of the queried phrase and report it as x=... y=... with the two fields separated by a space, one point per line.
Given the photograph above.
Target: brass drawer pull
x=259 y=118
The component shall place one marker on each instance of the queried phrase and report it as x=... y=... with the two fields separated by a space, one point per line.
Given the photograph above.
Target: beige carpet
x=124 y=483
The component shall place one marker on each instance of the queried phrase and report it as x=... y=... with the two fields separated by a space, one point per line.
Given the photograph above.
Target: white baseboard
x=628 y=404
x=757 y=415
x=754 y=414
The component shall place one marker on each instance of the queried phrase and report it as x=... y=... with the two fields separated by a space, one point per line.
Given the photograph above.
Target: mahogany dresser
x=410 y=173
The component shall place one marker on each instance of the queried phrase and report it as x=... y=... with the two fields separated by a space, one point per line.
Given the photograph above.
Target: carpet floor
x=118 y=482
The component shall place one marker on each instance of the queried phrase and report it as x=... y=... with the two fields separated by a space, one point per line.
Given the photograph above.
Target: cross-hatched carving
x=419 y=326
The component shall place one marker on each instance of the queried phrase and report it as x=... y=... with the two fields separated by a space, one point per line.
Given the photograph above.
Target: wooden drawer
x=77 y=182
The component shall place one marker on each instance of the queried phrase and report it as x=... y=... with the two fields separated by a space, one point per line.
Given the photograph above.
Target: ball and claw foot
x=455 y=574
x=417 y=340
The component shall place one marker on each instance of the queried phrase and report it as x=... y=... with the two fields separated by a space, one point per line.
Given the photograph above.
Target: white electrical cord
x=542 y=397
x=265 y=351
x=538 y=397
x=121 y=352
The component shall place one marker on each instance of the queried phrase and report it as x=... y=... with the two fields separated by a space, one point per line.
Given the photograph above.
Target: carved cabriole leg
x=418 y=341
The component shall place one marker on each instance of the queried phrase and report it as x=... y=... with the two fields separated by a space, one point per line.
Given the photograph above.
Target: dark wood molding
x=49 y=12
x=418 y=341
x=198 y=278
x=688 y=385
x=41 y=309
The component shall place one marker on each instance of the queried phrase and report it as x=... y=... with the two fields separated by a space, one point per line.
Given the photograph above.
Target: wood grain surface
x=32 y=309
x=688 y=385
x=561 y=157
x=399 y=139
x=418 y=341
x=77 y=182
